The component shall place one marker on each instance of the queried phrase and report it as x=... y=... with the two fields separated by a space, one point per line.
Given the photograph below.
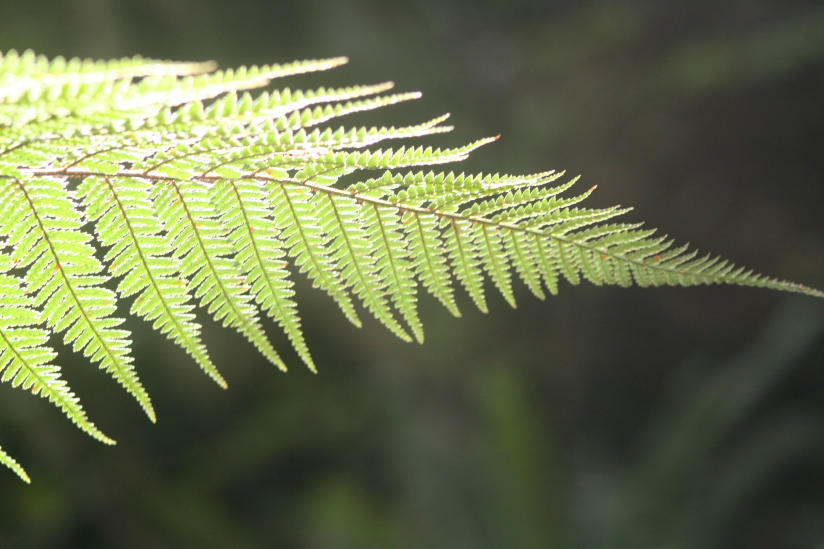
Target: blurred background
x=677 y=418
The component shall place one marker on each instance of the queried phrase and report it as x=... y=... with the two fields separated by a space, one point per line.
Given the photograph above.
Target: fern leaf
x=42 y=224
x=312 y=117
x=305 y=240
x=494 y=261
x=125 y=221
x=200 y=244
x=245 y=215
x=30 y=76
x=202 y=193
x=12 y=464
x=522 y=254
x=348 y=247
x=461 y=245
x=392 y=263
x=427 y=258
x=26 y=359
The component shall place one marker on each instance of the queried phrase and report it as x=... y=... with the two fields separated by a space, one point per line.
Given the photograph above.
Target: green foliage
x=193 y=191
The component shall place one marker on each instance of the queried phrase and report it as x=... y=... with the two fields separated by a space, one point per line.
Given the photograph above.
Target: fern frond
x=125 y=221
x=348 y=247
x=12 y=464
x=200 y=244
x=392 y=263
x=304 y=239
x=26 y=359
x=427 y=258
x=245 y=214
x=462 y=248
x=200 y=193
x=42 y=225
x=29 y=76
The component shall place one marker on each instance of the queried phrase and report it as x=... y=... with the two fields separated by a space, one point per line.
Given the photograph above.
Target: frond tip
x=199 y=193
x=12 y=464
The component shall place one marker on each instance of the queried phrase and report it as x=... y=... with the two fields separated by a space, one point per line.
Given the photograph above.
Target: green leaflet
x=12 y=464
x=349 y=250
x=26 y=360
x=200 y=244
x=196 y=193
x=392 y=262
x=244 y=212
x=42 y=225
x=140 y=257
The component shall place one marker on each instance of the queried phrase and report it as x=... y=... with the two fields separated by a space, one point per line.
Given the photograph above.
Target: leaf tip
x=107 y=440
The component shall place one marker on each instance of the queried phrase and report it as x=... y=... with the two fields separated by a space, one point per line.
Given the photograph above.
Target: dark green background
x=601 y=418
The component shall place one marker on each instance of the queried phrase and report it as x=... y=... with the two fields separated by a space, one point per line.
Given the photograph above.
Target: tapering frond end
x=203 y=195
x=10 y=462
